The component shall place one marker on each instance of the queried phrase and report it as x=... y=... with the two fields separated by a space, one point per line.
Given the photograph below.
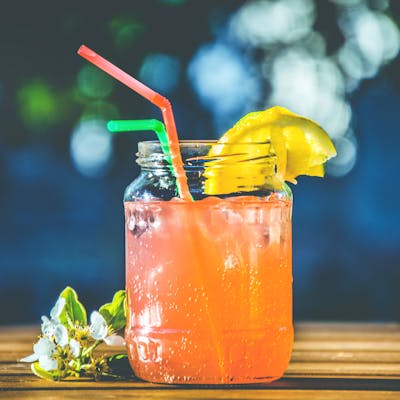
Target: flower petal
x=47 y=327
x=114 y=340
x=44 y=347
x=32 y=358
x=47 y=363
x=57 y=309
x=74 y=347
x=98 y=326
x=61 y=335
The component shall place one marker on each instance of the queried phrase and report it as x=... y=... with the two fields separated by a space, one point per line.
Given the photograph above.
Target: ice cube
x=253 y=215
x=231 y=261
x=132 y=222
x=143 y=219
x=265 y=235
x=275 y=224
x=231 y=216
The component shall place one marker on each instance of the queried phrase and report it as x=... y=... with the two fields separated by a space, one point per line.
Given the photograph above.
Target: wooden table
x=330 y=361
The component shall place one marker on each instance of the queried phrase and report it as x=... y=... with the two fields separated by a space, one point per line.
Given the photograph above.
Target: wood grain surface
x=329 y=361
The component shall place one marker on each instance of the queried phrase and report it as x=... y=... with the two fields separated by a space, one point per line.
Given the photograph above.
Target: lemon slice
x=288 y=145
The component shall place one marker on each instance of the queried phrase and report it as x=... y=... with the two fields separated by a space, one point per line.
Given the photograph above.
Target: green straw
x=147 y=125
x=158 y=127
x=144 y=125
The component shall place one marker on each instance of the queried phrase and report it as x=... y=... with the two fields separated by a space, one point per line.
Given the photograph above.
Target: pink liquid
x=209 y=288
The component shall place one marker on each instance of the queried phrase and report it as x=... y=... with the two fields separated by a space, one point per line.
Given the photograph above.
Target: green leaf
x=73 y=310
x=115 y=312
x=41 y=373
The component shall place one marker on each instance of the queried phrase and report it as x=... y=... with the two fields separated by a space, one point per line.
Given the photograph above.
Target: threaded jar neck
x=202 y=154
x=216 y=168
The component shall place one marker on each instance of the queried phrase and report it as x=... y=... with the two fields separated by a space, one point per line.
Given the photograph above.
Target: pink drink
x=209 y=288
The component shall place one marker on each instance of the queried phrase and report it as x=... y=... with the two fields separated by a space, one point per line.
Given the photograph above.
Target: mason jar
x=209 y=280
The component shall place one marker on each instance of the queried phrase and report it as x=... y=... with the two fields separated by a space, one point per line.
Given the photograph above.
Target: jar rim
x=150 y=147
x=188 y=142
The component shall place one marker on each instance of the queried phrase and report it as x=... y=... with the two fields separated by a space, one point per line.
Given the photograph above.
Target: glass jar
x=209 y=281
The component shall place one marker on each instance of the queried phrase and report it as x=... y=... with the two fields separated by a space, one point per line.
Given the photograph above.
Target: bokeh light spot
x=350 y=61
x=373 y=35
x=265 y=22
x=345 y=159
x=348 y=3
x=161 y=72
x=381 y=5
x=125 y=31
x=91 y=148
x=94 y=83
x=100 y=109
x=38 y=105
x=315 y=44
x=126 y=36
x=224 y=79
x=295 y=74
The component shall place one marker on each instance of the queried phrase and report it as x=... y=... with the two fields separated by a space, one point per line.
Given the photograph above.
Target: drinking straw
x=160 y=101
x=158 y=127
x=144 y=125
x=172 y=136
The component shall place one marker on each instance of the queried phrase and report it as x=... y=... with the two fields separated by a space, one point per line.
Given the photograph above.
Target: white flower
x=57 y=309
x=47 y=363
x=114 y=340
x=99 y=330
x=44 y=347
x=48 y=327
x=42 y=351
x=74 y=347
x=98 y=326
x=32 y=358
x=61 y=335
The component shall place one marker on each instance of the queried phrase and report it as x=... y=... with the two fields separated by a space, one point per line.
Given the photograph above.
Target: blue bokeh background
x=62 y=224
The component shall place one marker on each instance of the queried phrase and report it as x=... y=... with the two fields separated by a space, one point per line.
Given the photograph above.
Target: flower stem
x=87 y=352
